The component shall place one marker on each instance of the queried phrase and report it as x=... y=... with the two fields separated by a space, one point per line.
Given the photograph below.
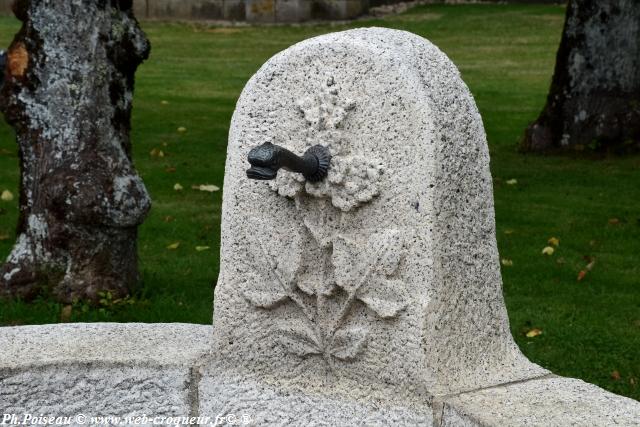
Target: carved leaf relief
x=263 y=293
x=307 y=275
x=385 y=297
x=273 y=277
x=298 y=339
x=320 y=218
x=346 y=257
x=349 y=343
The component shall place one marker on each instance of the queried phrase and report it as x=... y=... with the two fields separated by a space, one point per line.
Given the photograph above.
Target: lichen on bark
x=68 y=94
x=594 y=100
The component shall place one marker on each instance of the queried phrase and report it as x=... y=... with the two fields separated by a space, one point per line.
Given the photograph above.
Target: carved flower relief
x=352 y=179
x=308 y=276
x=351 y=182
x=327 y=110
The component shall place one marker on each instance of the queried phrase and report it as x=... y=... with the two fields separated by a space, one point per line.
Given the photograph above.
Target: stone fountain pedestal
x=373 y=297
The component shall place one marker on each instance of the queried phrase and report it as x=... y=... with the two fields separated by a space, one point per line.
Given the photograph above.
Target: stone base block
x=550 y=401
x=279 y=405
x=167 y=371
x=97 y=370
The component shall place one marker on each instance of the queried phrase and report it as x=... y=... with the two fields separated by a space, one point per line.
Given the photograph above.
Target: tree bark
x=594 y=100
x=67 y=93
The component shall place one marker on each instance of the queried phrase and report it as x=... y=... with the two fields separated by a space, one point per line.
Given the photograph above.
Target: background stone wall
x=250 y=10
x=255 y=10
x=5 y=7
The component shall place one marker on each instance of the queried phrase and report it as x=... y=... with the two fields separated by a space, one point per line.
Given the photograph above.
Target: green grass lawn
x=590 y=328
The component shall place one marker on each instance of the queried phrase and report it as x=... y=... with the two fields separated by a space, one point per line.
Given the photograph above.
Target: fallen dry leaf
x=554 y=241
x=512 y=182
x=182 y=129
x=156 y=153
x=65 y=313
x=534 y=333
x=170 y=169
x=208 y=188
x=6 y=196
x=4 y=237
x=202 y=248
x=178 y=187
x=615 y=375
x=173 y=246
x=163 y=102
x=588 y=268
x=614 y=221
x=548 y=250
x=507 y=262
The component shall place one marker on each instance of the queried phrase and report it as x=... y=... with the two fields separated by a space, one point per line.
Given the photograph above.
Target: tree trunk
x=67 y=93
x=594 y=100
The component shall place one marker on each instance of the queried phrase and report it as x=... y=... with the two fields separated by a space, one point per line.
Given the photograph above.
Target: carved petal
x=263 y=293
x=349 y=343
x=298 y=339
x=385 y=297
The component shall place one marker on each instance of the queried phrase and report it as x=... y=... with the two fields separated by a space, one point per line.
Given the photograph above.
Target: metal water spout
x=268 y=158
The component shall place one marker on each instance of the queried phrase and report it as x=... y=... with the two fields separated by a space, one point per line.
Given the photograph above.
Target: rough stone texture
x=131 y=370
x=594 y=100
x=270 y=405
x=101 y=369
x=96 y=391
x=68 y=94
x=116 y=343
x=383 y=281
x=547 y=402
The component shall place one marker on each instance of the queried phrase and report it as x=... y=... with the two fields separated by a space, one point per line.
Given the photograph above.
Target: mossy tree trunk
x=594 y=100
x=67 y=93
